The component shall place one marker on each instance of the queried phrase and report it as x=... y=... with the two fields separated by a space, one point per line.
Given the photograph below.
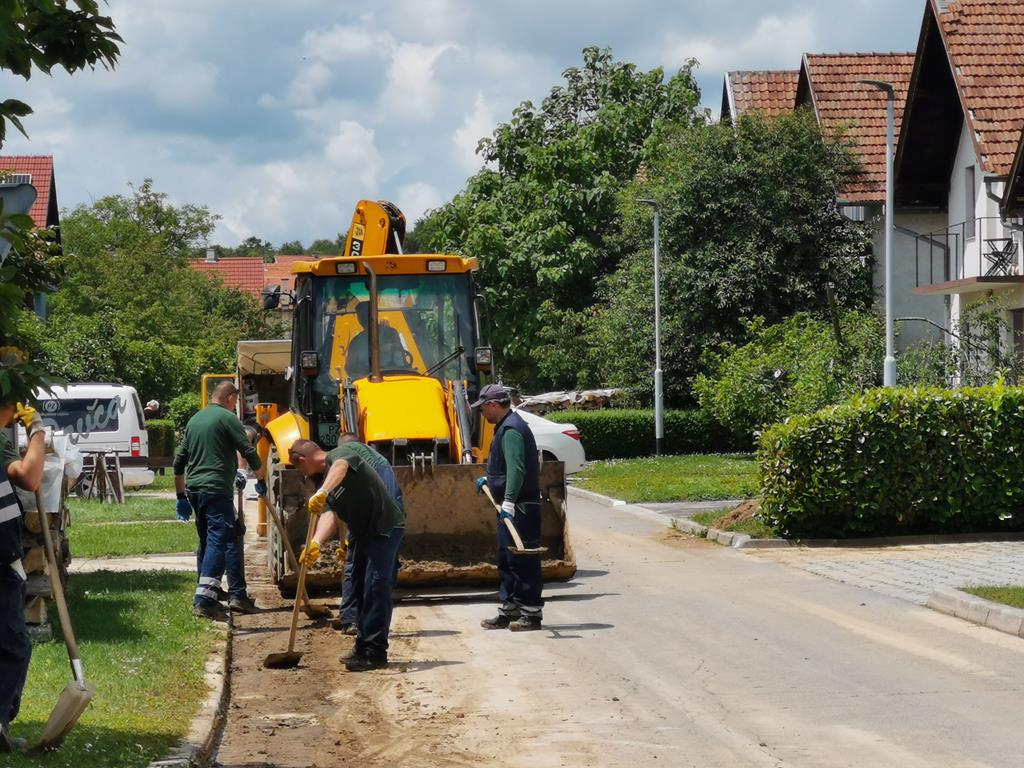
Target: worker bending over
x=15 y=647
x=513 y=477
x=356 y=495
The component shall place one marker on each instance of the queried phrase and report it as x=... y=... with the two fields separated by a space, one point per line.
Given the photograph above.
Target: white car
x=556 y=442
x=104 y=418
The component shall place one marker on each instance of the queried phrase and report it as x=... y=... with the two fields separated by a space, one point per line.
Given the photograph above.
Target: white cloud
x=304 y=89
x=416 y=199
x=478 y=124
x=775 y=42
x=344 y=41
x=412 y=90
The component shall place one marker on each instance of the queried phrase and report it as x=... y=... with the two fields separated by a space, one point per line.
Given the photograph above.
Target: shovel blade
x=534 y=551
x=316 y=611
x=285 y=660
x=70 y=705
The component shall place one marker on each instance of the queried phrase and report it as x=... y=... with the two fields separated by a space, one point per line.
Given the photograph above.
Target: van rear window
x=81 y=416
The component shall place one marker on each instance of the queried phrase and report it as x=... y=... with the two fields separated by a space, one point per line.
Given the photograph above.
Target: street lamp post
x=889 y=366
x=659 y=405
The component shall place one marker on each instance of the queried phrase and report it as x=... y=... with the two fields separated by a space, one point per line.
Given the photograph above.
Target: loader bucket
x=451 y=531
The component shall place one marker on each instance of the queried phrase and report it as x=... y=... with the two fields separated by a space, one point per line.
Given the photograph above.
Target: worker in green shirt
x=205 y=472
x=513 y=477
x=354 y=492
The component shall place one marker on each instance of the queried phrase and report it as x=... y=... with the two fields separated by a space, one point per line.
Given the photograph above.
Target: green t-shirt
x=7 y=452
x=207 y=456
x=364 y=504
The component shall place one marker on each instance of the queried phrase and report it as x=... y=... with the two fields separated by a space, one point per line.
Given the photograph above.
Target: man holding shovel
x=207 y=464
x=357 y=496
x=15 y=647
x=513 y=478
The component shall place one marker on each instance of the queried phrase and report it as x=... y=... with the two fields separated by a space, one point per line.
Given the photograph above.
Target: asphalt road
x=663 y=651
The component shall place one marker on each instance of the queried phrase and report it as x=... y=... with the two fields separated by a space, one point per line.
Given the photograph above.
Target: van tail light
x=573 y=433
x=137 y=447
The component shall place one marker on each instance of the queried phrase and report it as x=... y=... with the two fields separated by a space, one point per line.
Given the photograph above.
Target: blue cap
x=492 y=393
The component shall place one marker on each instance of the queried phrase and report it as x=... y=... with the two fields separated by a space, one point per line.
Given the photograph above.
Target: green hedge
x=898 y=461
x=625 y=434
x=161 y=437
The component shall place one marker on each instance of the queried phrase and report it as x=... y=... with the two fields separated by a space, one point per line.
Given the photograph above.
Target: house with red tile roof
x=36 y=170
x=958 y=145
x=770 y=92
x=245 y=273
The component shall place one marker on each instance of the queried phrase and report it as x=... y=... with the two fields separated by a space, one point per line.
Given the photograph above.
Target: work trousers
x=15 y=647
x=373 y=573
x=348 y=609
x=220 y=546
x=521 y=580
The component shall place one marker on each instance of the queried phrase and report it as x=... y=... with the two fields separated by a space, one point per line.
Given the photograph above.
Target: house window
x=969 y=202
x=1018 y=331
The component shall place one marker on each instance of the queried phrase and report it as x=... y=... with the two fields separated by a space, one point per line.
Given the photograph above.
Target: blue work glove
x=261 y=488
x=508 y=510
x=183 y=509
x=480 y=483
x=239 y=479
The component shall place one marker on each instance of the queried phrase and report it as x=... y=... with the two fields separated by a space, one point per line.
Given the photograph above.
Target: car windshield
x=81 y=416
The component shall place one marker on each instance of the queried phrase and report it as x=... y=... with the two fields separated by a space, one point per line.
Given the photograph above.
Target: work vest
x=10 y=520
x=530 y=491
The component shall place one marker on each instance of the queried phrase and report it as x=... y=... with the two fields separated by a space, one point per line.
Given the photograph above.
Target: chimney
x=943 y=5
x=211 y=256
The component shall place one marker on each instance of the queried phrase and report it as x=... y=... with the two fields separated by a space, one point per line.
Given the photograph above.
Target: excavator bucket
x=451 y=532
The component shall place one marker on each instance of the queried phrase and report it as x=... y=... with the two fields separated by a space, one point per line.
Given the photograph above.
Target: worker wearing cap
x=205 y=473
x=357 y=496
x=513 y=477
x=15 y=647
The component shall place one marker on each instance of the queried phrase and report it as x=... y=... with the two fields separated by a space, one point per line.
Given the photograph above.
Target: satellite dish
x=16 y=198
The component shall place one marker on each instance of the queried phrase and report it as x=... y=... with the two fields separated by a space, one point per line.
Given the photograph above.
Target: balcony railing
x=982 y=247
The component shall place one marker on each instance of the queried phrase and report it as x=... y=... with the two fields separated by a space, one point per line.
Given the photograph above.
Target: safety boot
x=501 y=621
x=10 y=743
x=243 y=605
x=364 y=663
x=525 y=624
x=211 y=611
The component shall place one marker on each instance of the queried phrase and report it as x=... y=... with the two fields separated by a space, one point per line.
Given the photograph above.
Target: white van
x=102 y=418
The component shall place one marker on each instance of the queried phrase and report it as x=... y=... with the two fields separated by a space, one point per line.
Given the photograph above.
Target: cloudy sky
x=279 y=116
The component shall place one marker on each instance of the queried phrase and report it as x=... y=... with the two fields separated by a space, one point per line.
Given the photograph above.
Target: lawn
x=701 y=477
x=143 y=651
x=1013 y=596
x=751 y=526
x=164 y=482
x=140 y=526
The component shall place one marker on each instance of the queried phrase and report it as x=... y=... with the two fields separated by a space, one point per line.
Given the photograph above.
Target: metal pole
x=889 y=364
x=659 y=405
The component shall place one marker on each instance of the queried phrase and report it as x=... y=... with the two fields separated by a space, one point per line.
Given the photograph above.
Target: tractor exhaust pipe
x=374 y=329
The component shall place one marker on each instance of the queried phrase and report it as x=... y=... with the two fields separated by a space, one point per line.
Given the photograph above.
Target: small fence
x=982 y=247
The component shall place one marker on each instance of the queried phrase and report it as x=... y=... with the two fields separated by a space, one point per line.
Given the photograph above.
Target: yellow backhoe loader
x=387 y=345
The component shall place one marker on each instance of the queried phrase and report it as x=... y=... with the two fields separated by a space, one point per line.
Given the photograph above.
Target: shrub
x=898 y=461
x=182 y=408
x=161 y=437
x=623 y=434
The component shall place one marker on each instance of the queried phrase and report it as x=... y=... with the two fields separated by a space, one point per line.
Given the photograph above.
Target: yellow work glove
x=317 y=502
x=29 y=418
x=341 y=552
x=309 y=555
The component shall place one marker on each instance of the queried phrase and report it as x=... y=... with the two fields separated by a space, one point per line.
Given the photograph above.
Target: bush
x=182 y=408
x=624 y=434
x=161 y=437
x=898 y=461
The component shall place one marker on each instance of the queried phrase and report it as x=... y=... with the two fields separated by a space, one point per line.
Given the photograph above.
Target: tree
x=539 y=218
x=292 y=248
x=43 y=34
x=324 y=247
x=253 y=246
x=749 y=229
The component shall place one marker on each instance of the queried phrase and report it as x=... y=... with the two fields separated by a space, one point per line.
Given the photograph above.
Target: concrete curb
x=197 y=750
x=962 y=605
x=597 y=498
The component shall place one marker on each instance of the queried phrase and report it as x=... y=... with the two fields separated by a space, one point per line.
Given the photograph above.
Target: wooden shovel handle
x=289 y=551
x=508 y=523
x=299 y=593
x=58 y=591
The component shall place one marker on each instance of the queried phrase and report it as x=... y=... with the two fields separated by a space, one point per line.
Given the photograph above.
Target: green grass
x=701 y=477
x=134 y=509
x=163 y=482
x=1009 y=595
x=143 y=651
x=113 y=540
x=751 y=526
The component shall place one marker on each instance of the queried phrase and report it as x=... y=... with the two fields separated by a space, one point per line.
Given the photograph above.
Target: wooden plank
x=35 y=610
x=38 y=586
x=35 y=561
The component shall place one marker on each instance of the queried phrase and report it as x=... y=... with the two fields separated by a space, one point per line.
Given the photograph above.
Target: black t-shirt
x=363 y=502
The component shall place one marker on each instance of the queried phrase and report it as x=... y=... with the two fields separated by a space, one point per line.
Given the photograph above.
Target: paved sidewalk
x=185 y=561
x=909 y=572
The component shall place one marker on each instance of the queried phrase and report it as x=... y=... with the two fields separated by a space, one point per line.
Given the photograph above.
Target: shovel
x=518 y=549
x=78 y=693
x=313 y=611
x=291 y=657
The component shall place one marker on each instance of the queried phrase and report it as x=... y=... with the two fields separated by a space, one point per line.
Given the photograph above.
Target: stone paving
x=909 y=572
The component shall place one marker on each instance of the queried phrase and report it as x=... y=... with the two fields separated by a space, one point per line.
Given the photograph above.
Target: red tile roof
x=984 y=40
x=40 y=168
x=772 y=92
x=245 y=273
x=829 y=82
x=280 y=272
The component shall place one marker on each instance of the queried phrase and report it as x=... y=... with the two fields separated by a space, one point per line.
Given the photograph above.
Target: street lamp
x=659 y=406
x=889 y=366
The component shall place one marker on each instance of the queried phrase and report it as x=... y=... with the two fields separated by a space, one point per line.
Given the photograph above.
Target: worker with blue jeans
x=15 y=647
x=513 y=478
x=205 y=471
x=348 y=611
